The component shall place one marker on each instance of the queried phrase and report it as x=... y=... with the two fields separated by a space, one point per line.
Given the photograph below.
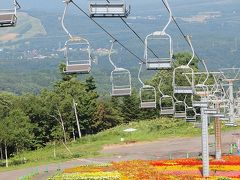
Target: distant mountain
x=27 y=27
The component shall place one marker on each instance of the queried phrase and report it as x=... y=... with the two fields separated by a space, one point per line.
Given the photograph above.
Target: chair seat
x=167 y=111
x=108 y=10
x=121 y=92
x=158 y=63
x=210 y=111
x=78 y=68
x=183 y=90
x=200 y=104
x=148 y=105
x=180 y=115
x=7 y=20
x=191 y=119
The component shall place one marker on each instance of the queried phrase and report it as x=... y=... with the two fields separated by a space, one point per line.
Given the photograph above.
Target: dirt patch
x=8 y=37
x=130 y=143
x=124 y=144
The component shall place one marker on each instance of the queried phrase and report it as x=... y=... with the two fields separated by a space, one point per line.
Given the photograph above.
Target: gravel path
x=161 y=149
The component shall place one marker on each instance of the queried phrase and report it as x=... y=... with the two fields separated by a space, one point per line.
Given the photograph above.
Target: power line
x=139 y=59
x=138 y=36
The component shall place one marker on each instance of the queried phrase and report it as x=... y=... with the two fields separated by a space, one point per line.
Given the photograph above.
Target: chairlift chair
x=77 y=51
x=121 y=82
x=180 y=109
x=166 y=102
x=187 y=73
x=163 y=59
x=166 y=105
x=147 y=93
x=78 y=56
x=120 y=78
x=202 y=91
x=148 y=97
x=188 y=88
x=108 y=9
x=201 y=104
x=211 y=110
x=158 y=55
x=8 y=17
x=191 y=114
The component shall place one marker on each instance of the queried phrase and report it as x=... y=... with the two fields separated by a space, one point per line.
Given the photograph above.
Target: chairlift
x=8 y=17
x=166 y=105
x=188 y=86
x=77 y=51
x=108 y=9
x=166 y=102
x=187 y=74
x=201 y=104
x=191 y=114
x=78 y=56
x=180 y=109
x=158 y=51
x=148 y=97
x=120 y=78
x=147 y=94
x=153 y=45
x=200 y=88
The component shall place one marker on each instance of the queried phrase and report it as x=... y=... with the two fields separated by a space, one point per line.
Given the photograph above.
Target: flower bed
x=181 y=169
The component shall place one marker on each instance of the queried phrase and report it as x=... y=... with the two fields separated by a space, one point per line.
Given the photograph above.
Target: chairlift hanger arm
x=63 y=18
x=181 y=31
x=139 y=73
x=159 y=86
x=193 y=52
x=110 y=54
x=170 y=15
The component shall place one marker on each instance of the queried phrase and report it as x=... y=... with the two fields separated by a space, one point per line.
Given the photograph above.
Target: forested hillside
x=31 y=121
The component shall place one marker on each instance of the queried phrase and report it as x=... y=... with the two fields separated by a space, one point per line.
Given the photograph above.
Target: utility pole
x=76 y=116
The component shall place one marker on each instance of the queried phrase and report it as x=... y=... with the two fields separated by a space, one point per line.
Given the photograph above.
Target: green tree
x=106 y=117
x=130 y=107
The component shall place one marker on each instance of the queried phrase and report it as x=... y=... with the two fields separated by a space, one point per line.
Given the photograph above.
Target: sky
x=57 y=5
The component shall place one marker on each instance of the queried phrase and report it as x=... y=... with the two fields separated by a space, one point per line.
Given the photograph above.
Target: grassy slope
x=90 y=145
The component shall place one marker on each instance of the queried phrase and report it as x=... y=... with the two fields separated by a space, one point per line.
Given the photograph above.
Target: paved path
x=161 y=149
